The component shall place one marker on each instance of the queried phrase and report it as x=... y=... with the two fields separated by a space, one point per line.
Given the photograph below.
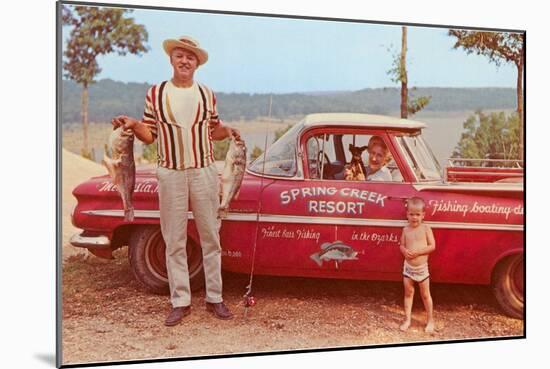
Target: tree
x=150 y=152
x=256 y=152
x=499 y=47
x=281 y=131
x=399 y=75
x=403 y=73
x=221 y=148
x=493 y=136
x=97 y=31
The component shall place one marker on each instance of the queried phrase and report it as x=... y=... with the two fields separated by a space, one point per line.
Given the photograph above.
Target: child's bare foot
x=429 y=327
x=405 y=325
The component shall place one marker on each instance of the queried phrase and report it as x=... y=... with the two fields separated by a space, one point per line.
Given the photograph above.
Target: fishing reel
x=248 y=299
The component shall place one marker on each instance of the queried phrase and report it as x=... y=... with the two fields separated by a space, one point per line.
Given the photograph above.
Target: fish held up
x=232 y=175
x=122 y=168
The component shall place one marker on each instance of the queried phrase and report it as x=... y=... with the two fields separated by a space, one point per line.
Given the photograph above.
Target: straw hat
x=187 y=43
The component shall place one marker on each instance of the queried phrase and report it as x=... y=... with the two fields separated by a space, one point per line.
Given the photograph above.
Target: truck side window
x=313 y=154
x=321 y=157
x=359 y=141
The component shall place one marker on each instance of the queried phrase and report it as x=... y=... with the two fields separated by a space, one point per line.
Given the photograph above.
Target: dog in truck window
x=355 y=170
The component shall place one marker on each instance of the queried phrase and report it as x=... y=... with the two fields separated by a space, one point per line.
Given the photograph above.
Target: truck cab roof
x=360 y=120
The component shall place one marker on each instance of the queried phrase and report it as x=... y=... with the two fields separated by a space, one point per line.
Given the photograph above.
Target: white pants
x=199 y=188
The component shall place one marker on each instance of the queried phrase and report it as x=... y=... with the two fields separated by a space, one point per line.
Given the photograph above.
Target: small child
x=417 y=241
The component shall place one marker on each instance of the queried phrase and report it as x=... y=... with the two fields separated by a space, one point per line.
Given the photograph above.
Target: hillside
x=109 y=98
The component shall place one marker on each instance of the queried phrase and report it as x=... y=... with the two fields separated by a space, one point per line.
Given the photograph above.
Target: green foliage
x=255 y=153
x=490 y=136
x=150 y=152
x=98 y=31
x=497 y=46
x=398 y=74
x=220 y=148
x=417 y=104
x=87 y=154
x=109 y=98
x=280 y=132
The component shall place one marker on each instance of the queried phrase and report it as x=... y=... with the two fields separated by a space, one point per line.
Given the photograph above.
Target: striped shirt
x=183 y=136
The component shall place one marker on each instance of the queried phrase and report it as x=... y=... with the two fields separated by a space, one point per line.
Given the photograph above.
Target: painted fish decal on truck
x=337 y=251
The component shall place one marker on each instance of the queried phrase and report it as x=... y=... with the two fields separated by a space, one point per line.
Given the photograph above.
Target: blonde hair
x=378 y=141
x=416 y=201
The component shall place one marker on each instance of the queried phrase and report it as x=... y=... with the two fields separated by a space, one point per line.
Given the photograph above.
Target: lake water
x=442 y=134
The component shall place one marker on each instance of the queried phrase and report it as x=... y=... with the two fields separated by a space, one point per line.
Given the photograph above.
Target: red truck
x=302 y=218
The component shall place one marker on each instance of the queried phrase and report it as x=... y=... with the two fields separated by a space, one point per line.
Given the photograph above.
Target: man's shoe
x=219 y=309
x=176 y=315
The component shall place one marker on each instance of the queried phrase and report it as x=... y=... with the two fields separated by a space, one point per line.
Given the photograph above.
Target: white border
x=28 y=79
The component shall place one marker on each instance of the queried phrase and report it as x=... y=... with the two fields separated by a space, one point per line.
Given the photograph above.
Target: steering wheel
x=327 y=165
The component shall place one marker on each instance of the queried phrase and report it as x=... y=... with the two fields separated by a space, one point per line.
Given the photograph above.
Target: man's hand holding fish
x=140 y=130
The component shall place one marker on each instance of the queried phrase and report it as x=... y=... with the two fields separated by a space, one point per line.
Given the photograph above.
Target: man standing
x=181 y=115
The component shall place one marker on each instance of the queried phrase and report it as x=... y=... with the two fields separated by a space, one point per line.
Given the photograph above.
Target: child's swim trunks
x=417 y=273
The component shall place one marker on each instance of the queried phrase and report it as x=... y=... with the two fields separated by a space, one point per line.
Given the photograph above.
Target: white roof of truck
x=361 y=120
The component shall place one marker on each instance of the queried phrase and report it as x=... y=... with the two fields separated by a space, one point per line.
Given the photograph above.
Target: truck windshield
x=281 y=156
x=420 y=158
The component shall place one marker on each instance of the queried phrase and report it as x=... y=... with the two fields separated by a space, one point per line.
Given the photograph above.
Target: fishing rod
x=249 y=299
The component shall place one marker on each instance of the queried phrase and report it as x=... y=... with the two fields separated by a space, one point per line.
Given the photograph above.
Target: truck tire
x=508 y=285
x=147 y=257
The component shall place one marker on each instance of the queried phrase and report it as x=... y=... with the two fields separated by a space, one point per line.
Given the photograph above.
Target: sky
x=260 y=54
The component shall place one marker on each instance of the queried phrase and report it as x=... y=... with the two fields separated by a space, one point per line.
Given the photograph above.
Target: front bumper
x=90 y=242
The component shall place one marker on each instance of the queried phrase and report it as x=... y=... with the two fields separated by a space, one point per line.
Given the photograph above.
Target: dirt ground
x=108 y=317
